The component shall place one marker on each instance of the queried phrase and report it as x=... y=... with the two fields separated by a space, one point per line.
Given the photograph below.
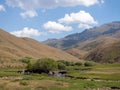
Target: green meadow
x=97 y=77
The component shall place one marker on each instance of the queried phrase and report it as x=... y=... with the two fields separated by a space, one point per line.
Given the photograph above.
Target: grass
x=96 y=77
x=57 y=84
x=102 y=72
x=23 y=83
x=6 y=74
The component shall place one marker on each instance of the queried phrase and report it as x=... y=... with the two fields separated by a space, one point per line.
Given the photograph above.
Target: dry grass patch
x=32 y=84
x=48 y=83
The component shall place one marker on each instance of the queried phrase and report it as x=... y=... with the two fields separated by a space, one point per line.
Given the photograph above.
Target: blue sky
x=44 y=19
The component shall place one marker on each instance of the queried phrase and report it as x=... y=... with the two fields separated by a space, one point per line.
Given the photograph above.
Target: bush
x=67 y=63
x=78 y=63
x=61 y=66
x=25 y=59
x=43 y=66
x=89 y=63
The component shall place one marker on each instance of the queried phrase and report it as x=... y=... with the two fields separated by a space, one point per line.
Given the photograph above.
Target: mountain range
x=97 y=43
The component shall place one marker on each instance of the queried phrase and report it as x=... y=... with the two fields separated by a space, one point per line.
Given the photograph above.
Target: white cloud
x=78 y=2
x=29 y=7
x=27 y=32
x=33 y=5
x=86 y=26
x=2 y=8
x=28 y=14
x=54 y=27
x=82 y=18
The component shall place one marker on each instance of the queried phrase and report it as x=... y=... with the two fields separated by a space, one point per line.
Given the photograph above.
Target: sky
x=46 y=19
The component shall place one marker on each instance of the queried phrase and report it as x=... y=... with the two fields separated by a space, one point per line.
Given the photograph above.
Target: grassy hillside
x=77 y=52
x=106 y=53
x=82 y=49
x=14 y=47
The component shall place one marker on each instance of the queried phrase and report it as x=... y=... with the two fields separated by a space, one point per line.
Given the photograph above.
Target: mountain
x=106 y=54
x=14 y=47
x=73 y=40
x=92 y=42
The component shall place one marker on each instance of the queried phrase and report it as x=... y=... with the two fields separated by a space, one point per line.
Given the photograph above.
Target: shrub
x=78 y=63
x=89 y=63
x=61 y=66
x=43 y=66
x=67 y=63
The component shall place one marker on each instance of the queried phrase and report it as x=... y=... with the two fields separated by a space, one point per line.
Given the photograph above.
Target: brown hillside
x=106 y=53
x=14 y=47
x=82 y=49
x=77 y=52
x=100 y=41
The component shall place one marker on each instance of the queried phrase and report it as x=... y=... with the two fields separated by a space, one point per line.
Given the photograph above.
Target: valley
x=90 y=61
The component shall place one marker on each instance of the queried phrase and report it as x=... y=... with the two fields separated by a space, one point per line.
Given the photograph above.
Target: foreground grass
x=101 y=77
x=39 y=82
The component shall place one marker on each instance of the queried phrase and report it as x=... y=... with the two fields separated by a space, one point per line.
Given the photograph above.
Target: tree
x=43 y=66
